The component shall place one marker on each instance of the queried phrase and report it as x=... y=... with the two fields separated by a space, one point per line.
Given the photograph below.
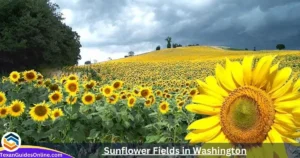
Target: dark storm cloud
x=143 y=24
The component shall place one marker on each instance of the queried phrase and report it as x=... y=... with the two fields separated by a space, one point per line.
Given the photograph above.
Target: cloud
x=112 y=28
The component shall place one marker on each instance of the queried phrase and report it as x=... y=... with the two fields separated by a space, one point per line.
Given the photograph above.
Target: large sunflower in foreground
x=247 y=105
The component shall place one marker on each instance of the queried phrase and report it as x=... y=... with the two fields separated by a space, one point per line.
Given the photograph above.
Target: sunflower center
x=72 y=87
x=244 y=112
x=3 y=111
x=144 y=93
x=247 y=115
x=30 y=75
x=1 y=99
x=55 y=97
x=163 y=107
x=88 y=98
x=131 y=101
x=16 y=108
x=40 y=110
x=107 y=91
x=117 y=85
x=14 y=76
x=56 y=114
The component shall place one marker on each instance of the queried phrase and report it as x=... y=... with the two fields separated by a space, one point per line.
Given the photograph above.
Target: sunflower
x=40 y=112
x=2 y=98
x=131 y=101
x=247 y=105
x=16 y=108
x=56 y=113
x=107 y=90
x=53 y=87
x=148 y=103
x=123 y=96
x=164 y=107
x=73 y=77
x=14 y=76
x=145 y=92
x=55 y=97
x=63 y=80
x=180 y=104
x=72 y=87
x=88 y=98
x=71 y=99
x=4 y=112
x=158 y=93
x=117 y=84
x=193 y=92
x=30 y=76
x=40 y=77
x=113 y=99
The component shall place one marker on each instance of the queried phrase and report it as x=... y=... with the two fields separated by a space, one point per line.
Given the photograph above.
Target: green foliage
x=158 y=48
x=280 y=46
x=32 y=36
x=131 y=53
x=169 y=40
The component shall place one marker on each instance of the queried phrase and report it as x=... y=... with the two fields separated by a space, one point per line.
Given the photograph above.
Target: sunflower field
x=197 y=94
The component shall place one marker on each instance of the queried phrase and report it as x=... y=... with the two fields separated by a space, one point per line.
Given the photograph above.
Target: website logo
x=11 y=141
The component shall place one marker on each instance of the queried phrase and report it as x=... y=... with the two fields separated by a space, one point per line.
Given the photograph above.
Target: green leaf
x=151 y=139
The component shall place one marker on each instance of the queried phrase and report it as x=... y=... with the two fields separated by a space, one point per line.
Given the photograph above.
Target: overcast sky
x=112 y=28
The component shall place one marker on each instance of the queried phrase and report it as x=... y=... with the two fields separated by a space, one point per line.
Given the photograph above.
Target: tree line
x=33 y=36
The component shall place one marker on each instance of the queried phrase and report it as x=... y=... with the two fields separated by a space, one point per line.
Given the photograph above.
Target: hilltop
x=197 y=53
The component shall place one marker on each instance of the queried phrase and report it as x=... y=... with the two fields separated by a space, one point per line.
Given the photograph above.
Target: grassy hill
x=197 y=53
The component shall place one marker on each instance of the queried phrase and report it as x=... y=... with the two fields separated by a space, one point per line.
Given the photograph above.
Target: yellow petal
x=247 y=69
x=237 y=73
x=212 y=82
x=202 y=109
x=205 y=136
x=262 y=71
x=273 y=71
x=208 y=100
x=277 y=141
x=274 y=136
x=296 y=112
x=291 y=141
x=209 y=90
x=287 y=106
x=225 y=78
x=282 y=130
x=296 y=86
x=280 y=78
x=288 y=96
x=221 y=138
x=285 y=120
x=282 y=90
x=205 y=123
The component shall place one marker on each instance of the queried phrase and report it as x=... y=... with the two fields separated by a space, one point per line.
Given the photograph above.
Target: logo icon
x=11 y=141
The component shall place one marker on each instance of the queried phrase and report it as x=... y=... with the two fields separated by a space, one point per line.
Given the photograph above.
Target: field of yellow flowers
x=135 y=99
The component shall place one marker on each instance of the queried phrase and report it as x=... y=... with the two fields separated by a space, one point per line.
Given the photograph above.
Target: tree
x=109 y=58
x=87 y=63
x=169 y=40
x=95 y=61
x=33 y=36
x=280 y=46
x=174 y=45
x=131 y=53
x=158 y=48
x=254 y=49
x=246 y=48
